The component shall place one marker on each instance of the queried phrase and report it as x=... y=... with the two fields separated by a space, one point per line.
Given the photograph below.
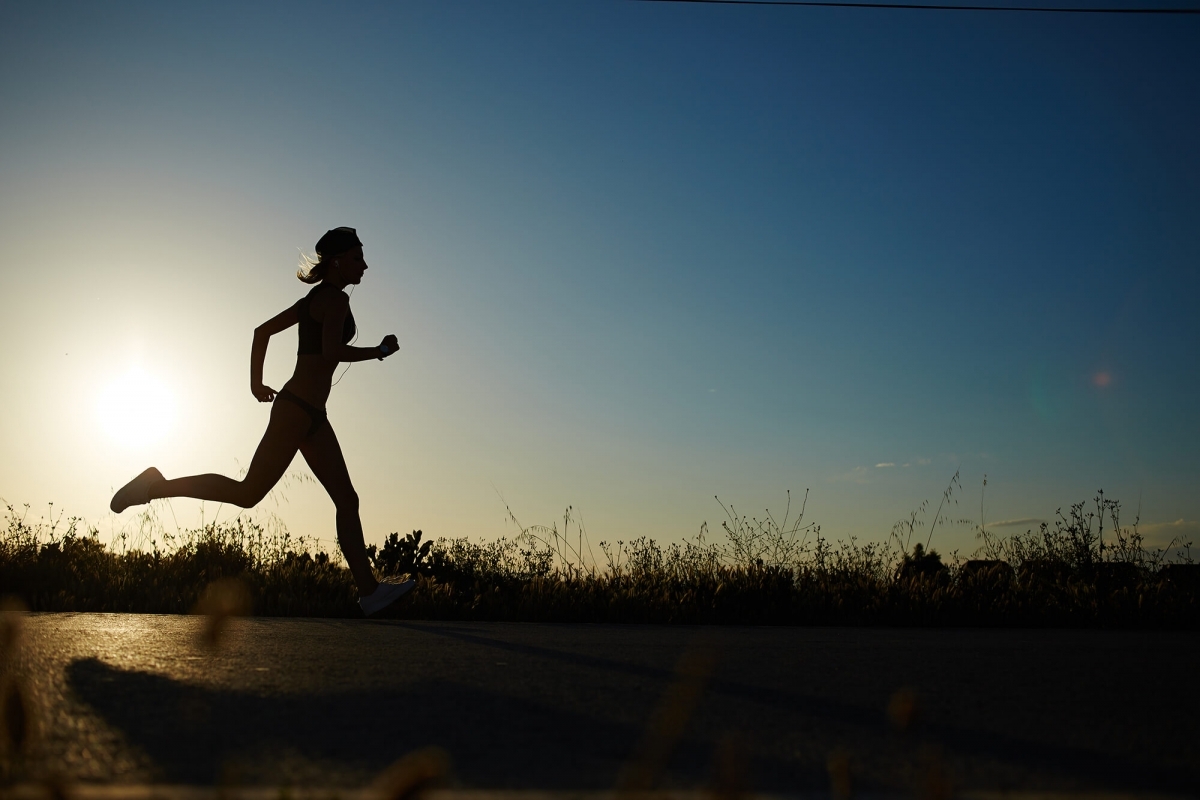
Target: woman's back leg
x=275 y=452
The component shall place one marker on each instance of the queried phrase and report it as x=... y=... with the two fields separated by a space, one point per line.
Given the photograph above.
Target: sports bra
x=310 y=329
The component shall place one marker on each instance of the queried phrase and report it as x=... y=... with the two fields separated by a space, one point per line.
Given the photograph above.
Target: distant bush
x=760 y=572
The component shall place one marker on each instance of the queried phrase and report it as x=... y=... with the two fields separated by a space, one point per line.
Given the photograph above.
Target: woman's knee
x=347 y=501
x=251 y=494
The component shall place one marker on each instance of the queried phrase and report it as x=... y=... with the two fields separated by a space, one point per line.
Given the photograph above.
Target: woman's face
x=351 y=265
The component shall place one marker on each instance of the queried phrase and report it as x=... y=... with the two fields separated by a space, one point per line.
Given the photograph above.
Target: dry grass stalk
x=667 y=722
x=222 y=600
x=730 y=769
x=413 y=775
x=841 y=784
x=902 y=709
x=18 y=713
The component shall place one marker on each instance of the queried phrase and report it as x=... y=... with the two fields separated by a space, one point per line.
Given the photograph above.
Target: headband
x=337 y=241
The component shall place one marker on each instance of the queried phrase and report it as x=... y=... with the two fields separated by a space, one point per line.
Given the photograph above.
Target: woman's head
x=335 y=247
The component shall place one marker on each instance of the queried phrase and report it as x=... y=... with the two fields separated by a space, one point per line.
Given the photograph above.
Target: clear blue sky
x=637 y=255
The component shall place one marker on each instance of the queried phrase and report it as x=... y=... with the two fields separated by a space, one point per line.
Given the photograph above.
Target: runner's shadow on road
x=794 y=704
x=201 y=735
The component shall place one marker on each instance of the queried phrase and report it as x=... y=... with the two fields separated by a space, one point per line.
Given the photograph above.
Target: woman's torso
x=313 y=376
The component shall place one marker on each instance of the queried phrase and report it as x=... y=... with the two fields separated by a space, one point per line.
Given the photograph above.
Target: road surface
x=303 y=702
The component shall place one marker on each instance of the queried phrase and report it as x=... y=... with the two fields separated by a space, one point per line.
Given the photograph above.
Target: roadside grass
x=1084 y=570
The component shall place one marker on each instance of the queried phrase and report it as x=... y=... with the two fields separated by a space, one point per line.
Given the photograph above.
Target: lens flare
x=136 y=410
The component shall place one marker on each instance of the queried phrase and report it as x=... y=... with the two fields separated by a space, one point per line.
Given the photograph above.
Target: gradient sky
x=637 y=255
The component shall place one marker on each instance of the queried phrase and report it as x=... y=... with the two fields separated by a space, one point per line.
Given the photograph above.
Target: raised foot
x=136 y=492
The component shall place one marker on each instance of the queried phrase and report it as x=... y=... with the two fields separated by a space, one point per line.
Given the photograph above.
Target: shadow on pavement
x=498 y=739
x=1090 y=767
x=198 y=735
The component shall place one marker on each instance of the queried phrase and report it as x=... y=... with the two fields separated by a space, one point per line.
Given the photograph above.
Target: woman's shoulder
x=325 y=296
x=323 y=288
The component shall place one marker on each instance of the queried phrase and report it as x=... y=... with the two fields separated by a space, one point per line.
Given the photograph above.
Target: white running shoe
x=136 y=492
x=384 y=596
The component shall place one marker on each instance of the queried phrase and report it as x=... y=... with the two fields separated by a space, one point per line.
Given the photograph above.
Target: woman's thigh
x=278 y=446
x=324 y=456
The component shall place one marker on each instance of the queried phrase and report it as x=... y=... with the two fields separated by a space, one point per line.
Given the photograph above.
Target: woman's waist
x=313 y=389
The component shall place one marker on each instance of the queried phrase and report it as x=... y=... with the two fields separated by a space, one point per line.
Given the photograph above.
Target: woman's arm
x=332 y=325
x=258 y=351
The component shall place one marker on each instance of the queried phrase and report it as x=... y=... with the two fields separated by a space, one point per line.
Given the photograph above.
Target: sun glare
x=136 y=410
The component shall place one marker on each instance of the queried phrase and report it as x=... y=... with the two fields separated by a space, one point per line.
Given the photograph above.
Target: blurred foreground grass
x=776 y=572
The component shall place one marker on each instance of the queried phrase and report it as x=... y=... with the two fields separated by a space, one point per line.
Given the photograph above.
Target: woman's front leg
x=324 y=456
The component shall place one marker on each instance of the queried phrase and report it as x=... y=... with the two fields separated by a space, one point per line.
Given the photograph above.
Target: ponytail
x=312 y=269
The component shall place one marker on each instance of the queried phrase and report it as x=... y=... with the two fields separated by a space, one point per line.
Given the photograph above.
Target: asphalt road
x=130 y=698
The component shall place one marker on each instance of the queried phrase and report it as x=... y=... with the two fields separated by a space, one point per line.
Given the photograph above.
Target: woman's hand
x=263 y=393
x=391 y=343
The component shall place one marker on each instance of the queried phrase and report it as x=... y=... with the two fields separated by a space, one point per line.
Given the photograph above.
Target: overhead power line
x=932 y=7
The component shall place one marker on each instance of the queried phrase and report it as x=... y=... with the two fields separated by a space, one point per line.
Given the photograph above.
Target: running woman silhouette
x=298 y=419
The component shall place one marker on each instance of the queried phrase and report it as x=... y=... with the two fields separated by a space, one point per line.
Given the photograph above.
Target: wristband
x=383 y=348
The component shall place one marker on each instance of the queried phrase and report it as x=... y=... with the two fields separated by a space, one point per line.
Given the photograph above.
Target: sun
x=135 y=410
